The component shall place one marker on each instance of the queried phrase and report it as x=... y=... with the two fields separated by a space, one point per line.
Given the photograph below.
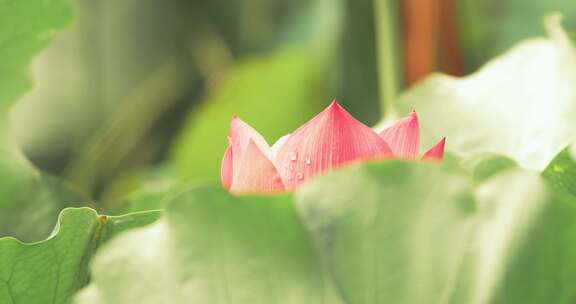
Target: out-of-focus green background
x=139 y=93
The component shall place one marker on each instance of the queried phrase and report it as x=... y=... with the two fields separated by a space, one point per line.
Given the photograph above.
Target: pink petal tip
x=404 y=137
x=435 y=153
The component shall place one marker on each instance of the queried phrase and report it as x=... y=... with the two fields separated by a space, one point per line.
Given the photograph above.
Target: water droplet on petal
x=308 y=160
x=291 y=167
x=300 y=176
x=294 y=156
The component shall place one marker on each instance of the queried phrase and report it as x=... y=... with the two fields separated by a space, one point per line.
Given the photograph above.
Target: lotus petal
x=329 y=140
x=435 y=153
x=255 y=172
x=226 y=171
x=404 y=137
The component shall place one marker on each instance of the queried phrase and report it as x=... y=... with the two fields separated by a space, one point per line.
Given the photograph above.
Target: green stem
x=388 y=59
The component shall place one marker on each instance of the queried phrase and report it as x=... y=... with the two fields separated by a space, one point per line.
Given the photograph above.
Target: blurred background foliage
x=136 y=95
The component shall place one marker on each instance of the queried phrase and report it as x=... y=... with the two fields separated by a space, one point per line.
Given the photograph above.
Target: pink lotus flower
x=330 y=140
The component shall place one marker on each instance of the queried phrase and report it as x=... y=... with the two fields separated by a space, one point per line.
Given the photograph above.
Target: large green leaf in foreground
x=521 y=104
x=402 y=233
x=392 y=232
x=52 y=270
x=211 y=247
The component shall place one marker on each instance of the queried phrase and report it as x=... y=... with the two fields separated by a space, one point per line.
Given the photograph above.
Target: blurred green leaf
x=397 y=232
x=117 y=142
x=25 y=28
x=520 y=105
x=485 y=166
x=52 y=270
x=212 y=247
x=490 y=27
x=561 y=172
x=274 y=95
x=149 y=197
x=413 y=233
x=30 y=200
x=528 y=255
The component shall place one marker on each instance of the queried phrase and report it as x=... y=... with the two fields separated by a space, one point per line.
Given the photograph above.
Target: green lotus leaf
x=398 y=232
x=51 y=271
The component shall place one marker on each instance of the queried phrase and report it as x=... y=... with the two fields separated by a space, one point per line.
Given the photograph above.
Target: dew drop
x=294 y=156
x=308 y=160
x=291 y=167
x=300 y=176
